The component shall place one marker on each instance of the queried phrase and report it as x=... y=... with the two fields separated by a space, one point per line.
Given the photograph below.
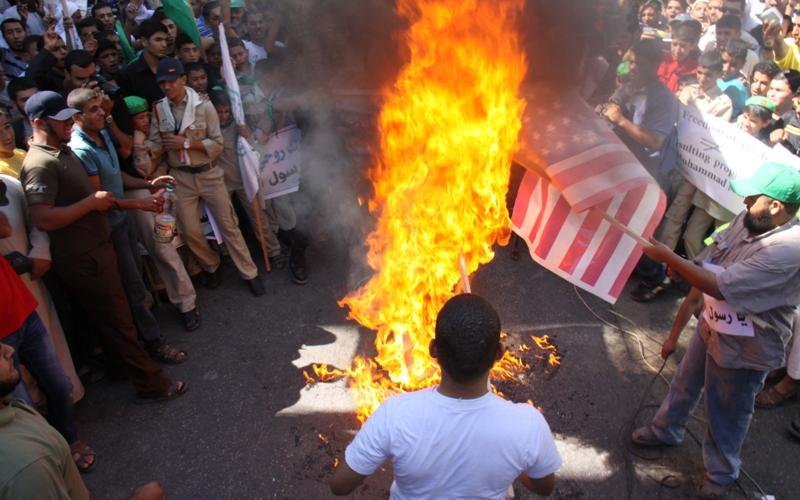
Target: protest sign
x=712 y=152
x=279 y=168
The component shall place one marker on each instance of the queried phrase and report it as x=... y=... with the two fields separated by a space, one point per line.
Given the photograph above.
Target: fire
x=543 y=343
x=448 y=129
x=323 y=438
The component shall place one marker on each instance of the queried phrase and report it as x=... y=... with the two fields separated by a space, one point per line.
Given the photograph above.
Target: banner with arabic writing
x=279 y=167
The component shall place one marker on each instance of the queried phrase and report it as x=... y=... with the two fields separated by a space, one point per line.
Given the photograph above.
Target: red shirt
x=16 y=302
x=670 y=72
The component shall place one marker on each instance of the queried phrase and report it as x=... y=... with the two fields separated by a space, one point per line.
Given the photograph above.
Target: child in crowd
x=268 y=110
x=756 y=118
x=734 y=56
x=241 y=62
x=197 y=78
x=229 y=161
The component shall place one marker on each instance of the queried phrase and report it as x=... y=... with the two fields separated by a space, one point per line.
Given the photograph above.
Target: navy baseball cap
x=169 y=69
x=48 y=104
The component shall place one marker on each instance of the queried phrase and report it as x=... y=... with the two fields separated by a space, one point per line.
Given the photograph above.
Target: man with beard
x=14 y=57
x=748 y=281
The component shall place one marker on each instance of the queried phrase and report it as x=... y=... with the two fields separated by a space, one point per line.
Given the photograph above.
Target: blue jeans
x=129 y=265
x=34 y=348
x=729 y=399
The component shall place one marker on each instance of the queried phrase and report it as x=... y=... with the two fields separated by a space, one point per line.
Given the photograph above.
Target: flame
x=323 y=438
x=448 y=129
x=543 y=343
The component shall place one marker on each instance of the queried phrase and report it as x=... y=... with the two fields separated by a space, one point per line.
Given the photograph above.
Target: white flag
x=248 y=157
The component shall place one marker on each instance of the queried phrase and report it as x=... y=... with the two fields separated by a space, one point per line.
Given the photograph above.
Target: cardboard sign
x=722 y=317
x=279 y=165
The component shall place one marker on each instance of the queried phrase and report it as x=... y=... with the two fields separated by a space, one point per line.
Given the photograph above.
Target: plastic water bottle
x=164 y=230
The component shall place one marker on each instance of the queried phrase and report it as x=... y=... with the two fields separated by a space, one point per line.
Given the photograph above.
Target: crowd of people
x=113 y=117
x=109 y=119
x=738 y=61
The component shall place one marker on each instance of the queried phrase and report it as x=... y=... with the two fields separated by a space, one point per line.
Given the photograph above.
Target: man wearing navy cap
x=63 y=202
x=185 y=130
x=748 y=284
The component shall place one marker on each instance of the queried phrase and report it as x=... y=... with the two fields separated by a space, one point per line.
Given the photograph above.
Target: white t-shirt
x=454 y=448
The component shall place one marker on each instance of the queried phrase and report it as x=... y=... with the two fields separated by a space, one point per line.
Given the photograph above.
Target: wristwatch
x=187 y=144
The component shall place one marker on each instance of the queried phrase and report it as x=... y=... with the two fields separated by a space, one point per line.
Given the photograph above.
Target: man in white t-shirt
x=456 y=440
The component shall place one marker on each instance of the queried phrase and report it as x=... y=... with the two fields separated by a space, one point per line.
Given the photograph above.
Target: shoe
x=710 y=489
x=297 y=266
x=191 y=320
x=213 y=280
x=644 y=436
x=256 y=287
x=646 y=291
x=277 y=261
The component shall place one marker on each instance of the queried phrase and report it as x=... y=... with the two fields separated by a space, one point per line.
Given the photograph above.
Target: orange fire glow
x=448 y=129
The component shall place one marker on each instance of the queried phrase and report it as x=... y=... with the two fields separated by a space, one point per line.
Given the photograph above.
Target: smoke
x=340 y=55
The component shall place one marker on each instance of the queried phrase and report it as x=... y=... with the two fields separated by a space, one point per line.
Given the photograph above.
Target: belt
x=195 y=169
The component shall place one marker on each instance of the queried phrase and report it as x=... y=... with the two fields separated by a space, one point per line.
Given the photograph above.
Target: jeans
x=35 y=350
x=729 y=399
x=129 y=265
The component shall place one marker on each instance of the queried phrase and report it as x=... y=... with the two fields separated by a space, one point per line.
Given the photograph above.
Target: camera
x=108 y=88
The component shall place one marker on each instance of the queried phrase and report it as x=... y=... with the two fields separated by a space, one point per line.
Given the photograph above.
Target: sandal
x=169 y=354
x=85 y=458
x=771 y=397
x=710 y=489
x=794 y=428
x=175 y=390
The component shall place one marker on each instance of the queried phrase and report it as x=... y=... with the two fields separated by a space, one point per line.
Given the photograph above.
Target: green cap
x=758 y=100
x=135 y=104
x=237 y=4
x=776 y=180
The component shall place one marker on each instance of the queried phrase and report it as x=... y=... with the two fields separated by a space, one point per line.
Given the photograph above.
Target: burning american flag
x=579 y=170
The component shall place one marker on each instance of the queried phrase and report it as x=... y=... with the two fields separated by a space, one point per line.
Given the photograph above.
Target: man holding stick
x=749 y=279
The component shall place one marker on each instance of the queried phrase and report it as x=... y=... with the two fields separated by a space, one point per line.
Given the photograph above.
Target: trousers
x=129 y=265
x=34 y=348
x=93 y=279
x=209 y=186
x=177 y=282
x=728 y=395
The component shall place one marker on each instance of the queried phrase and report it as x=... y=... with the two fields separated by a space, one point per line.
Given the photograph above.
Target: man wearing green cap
x=178 y=284
x=749 y=279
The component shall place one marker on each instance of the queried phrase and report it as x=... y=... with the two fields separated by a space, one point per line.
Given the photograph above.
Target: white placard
x=279 y=167
x=721 y=316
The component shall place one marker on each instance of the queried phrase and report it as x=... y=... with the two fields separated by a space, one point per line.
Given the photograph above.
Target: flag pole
x=260 y=230
x=607 y=217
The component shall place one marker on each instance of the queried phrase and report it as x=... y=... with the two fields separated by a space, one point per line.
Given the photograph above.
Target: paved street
x=248 y=428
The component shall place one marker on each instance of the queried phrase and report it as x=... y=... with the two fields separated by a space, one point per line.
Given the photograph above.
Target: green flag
x=180 y=12
x=128 y=54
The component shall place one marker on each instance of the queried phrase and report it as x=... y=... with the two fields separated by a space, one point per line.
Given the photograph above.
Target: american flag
x=584 y=170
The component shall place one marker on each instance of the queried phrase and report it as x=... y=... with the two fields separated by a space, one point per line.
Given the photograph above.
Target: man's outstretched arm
x=542 y=486
x=345 y=480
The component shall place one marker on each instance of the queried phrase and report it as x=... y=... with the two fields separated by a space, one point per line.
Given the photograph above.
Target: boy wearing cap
x=186 y=132
x=749 y=279
x=63 y=202
x=178 y=284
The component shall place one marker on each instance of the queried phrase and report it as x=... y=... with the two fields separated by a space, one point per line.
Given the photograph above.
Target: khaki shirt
x=35 y=461
x=762 y=279
x=205 y=128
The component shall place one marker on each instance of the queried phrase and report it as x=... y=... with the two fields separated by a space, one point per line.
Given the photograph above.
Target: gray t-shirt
x=762 y=279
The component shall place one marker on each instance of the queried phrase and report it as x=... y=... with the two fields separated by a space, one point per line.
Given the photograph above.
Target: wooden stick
x=260 y=229
x=462 y=264
x=622 y=227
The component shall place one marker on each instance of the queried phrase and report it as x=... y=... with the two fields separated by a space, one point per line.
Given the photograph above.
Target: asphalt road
x=248 y=428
